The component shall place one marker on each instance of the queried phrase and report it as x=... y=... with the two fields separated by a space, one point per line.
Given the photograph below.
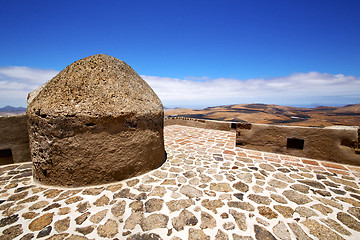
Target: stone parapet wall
x=336 y=144
x=200 y=123
x=14 y=136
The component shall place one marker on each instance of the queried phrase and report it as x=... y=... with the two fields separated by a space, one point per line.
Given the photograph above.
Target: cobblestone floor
x=207 y=189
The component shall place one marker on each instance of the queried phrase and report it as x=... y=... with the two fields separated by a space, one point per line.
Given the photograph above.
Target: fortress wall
x=200 y=123
x=14 y=140
x=336 y=144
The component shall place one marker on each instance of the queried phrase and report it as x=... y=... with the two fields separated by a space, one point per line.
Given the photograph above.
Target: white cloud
x=296 y=89
x=16 y=82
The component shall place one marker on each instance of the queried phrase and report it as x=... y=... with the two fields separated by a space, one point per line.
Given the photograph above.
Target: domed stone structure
x=95 y=122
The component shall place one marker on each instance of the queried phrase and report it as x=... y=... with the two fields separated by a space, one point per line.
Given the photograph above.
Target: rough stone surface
x=336 y=226
x=207 y=220
x=176 y=205
x=242 y=187
x=267 y=212
x=305 y=212
x=220 y=187
x=109 y=229
x=185 y=218
x=13 y=132
x=296 y=197
x=40 y=222
x=62 y=225
x=108 y=127
x=348 y=221
x=286 y=211
x=44 y=232
x=153 y=205
x=12 y=232
x=212 y=204
x=242 y=205
x=260 y=199
x=154 y=221
x=320 y=230
x=220 y=235
x=134 y=219
x=262 y=234
x=281 y=231
x=145 y=236
x=9 y=220
x=190 y=191
x=85 y=230
x=118 y=209
x=298 y=231
x=197 y=234
x=240 y=219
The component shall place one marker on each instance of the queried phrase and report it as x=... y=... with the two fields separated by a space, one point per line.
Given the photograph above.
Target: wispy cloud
x=296 y=89
x=16 y=82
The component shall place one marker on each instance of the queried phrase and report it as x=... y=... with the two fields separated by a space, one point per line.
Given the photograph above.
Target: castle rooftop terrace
x=207 y=189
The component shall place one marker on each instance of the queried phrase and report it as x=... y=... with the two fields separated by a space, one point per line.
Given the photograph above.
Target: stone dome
x=97 y=121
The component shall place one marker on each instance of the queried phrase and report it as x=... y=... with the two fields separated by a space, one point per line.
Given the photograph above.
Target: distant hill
x=9 y=111
x=322 y=116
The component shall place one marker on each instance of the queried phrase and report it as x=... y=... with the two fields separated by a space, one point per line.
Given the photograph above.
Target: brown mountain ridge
x=322 y=116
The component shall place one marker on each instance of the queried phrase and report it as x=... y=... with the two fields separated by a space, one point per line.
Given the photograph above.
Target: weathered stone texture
x=14 y=136
x=95 y=122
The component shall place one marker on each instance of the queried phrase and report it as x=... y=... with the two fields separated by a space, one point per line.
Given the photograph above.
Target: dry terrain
x=348 y=115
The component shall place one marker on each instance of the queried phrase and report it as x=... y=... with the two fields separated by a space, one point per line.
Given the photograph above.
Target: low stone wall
x=200 y=123
x=337 y=144
x=14 y=140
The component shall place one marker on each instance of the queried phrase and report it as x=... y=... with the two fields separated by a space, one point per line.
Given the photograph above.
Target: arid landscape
x=10 y=111
x=322 y=116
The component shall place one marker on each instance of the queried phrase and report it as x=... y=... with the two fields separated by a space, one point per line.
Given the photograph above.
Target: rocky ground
x=207 y=189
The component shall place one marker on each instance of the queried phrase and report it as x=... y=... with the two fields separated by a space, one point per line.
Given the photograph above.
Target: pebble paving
x=207 y=189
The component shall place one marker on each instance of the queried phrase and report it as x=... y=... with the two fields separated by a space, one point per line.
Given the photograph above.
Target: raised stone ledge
x=200 y=123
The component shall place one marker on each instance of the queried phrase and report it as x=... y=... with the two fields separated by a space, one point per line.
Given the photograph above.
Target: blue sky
x=193 y=53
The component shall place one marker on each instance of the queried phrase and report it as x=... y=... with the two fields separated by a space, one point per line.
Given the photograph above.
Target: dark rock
x=20 y=189
x=9 y=220
x=338 y=191
x=54 y=205
x=239 y=196
x=44 y=232
x=144 y=236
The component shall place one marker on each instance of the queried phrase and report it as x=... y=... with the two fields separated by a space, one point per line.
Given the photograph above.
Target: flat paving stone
x=207 y=189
